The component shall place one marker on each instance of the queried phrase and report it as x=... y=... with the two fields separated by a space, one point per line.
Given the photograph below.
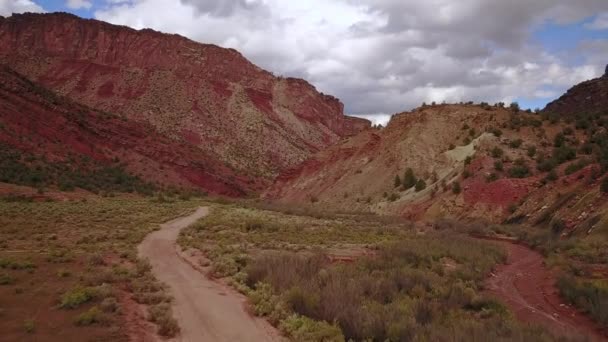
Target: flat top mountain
x=241 y=116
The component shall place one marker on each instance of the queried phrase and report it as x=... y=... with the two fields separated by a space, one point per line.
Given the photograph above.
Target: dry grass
x=65 y=265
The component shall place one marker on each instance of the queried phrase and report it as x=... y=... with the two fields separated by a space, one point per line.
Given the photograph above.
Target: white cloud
x=599 y=23
x=78 y=4
x=384 y=56
x=8 y=7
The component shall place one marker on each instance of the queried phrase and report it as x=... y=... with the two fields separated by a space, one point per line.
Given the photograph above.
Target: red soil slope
x=38 y=122
x=207 y=96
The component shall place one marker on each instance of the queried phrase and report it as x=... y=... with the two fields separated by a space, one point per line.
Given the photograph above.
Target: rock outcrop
x=242 y=117
x=589 y=97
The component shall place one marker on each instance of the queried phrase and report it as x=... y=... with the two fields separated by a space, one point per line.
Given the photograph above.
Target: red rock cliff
x=244 y=117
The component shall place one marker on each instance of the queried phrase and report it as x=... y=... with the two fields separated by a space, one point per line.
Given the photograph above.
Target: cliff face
x=239 y=115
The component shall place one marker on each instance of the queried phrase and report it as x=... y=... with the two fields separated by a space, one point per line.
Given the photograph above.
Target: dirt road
x=206 y=310
x=527 y=287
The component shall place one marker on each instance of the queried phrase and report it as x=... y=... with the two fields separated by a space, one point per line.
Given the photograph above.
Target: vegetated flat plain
x=321 y=277
x=69 y=271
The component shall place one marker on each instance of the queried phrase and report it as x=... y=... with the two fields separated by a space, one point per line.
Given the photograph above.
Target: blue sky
x=387 y=56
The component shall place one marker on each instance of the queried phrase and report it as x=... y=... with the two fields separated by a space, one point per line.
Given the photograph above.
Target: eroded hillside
x=47 y=140
x=463 y=161
x=239 y=115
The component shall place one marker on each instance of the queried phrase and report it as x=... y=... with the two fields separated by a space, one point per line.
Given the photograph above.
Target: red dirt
x=527 y=287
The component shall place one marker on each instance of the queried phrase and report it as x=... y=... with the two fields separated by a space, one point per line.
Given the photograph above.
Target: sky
x=387 y=56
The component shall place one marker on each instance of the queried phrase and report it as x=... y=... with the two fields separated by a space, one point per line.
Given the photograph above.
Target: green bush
x=90 y=317
x=563 y=154
x=420 y=185
x=75 y=297
x=577 y=166
x=498 y=165
x=531 y=151
x=304 y=329
x=516 y=143
x=492 y=177
x=162 y=316
x=497 y=152
x=456 y=189
x=519 y=171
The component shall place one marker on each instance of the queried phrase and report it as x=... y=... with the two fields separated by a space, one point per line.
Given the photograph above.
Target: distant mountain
x=238 y=116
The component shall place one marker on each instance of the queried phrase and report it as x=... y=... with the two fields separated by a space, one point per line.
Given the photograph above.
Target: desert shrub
x=559 y=140
x=409 y=179
x=531 y=151
x=492 y=177
x=552 y=176
x=161 y=315
x=75 y=297
x=468 y=160
x=90 y=317
x=497 y=152
x=546 y=165
x=516 y=143
x=557 y=226
x=29 y=326
x=604 y=185
x=519 y=171
x=451 y=147
x=393 y=197
x=420 y=185
x=456 y=189
x=498 y=165
x=6 y=279
x=109 y=304
x=497 y=132
x=563 y=154
x=301 y=328
x=397 y=182
x=577 y=166
x=514 y=107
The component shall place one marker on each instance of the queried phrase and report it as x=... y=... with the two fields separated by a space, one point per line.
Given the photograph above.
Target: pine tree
x=409 y=179
x=420 y=185
x=397 y=181
x=456 y=188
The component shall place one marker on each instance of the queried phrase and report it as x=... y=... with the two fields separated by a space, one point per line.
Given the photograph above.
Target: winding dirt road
x=205 y=310
x=527 y=287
